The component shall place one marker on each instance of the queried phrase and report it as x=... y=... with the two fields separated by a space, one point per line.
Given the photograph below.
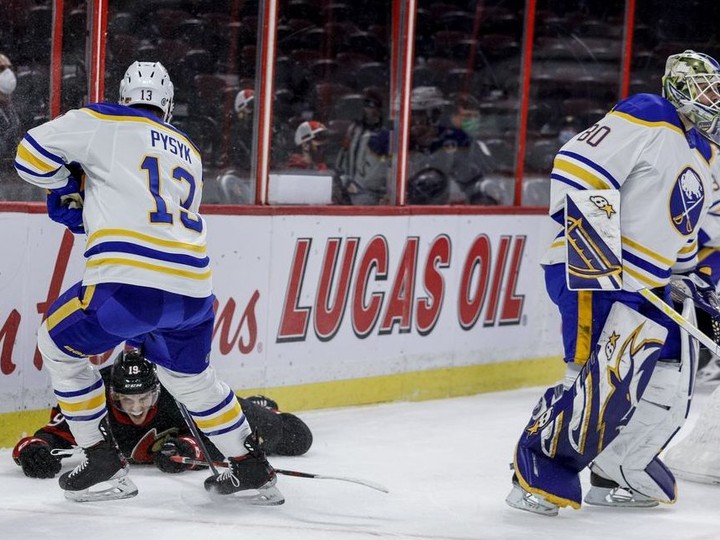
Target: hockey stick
x=298 y=474
x=681 y=321
x=196 y=433
x=679 y=292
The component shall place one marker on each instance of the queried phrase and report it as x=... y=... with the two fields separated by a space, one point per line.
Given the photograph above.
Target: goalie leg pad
x=696 y=457
x=568 y=428
x=631 y=459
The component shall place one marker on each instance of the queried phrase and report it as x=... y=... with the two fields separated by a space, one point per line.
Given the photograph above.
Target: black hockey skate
x=101 y=476
x=251 y=471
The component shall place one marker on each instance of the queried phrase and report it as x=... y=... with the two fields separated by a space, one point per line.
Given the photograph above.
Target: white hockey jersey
x=143 y=185
x=709 y=237
x=662 y=171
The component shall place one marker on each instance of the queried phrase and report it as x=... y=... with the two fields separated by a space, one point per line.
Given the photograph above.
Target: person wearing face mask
x=445 y=165
x=465 y=116
x=10 y=132
x=445 y=147
x=149 y=428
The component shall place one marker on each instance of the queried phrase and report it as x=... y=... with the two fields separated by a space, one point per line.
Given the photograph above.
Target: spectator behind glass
x=10 y=132
x=310 y=139
x=568 y=130
x=353 y=165
x=443 y=163
x=242 y=130
x=456 y=162
x=465 y=116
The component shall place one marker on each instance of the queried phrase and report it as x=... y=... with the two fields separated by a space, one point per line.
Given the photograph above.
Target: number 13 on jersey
x=161 y=215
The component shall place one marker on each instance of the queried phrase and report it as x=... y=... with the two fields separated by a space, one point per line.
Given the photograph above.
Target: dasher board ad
x=309 y=299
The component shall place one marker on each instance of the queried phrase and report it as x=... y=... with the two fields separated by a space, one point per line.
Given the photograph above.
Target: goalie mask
x=134 y=385
x=692 y=84
x=148 y=83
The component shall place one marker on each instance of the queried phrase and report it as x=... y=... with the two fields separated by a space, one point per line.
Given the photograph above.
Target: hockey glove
x=182 y=446
x=296 y=436
x=699 y=286
x=65 y=206
x=33 y=455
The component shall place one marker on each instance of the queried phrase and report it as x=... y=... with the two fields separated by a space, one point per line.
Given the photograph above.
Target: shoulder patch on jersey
x=686 y=201
x=650 y=108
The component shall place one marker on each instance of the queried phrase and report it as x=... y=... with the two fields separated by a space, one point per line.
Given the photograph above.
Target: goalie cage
x=697 y=456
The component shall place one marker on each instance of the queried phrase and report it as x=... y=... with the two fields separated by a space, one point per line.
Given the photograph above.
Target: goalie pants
x=583 y=315
x=174 y=331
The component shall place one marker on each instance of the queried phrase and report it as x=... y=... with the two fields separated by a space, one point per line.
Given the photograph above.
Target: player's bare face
x=136 y=406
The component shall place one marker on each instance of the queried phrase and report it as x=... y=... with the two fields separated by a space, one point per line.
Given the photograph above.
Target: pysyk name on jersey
x=170 y=144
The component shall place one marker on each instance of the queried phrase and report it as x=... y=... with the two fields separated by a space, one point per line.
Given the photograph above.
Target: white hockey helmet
x=692 y=84
x=307 y=131
x=148 y=83
x=244 y=99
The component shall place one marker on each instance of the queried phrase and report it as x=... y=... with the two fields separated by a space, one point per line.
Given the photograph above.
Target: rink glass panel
x=328 y=52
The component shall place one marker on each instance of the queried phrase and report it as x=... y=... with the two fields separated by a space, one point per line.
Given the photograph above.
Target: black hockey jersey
x=139 y=442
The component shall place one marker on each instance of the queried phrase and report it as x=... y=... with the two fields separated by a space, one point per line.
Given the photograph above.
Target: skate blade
x=523 y=500
x=618 y=498
x=265 y=496
x=110 y=490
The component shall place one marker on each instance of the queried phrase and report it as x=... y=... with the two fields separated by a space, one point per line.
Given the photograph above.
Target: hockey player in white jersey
x=629 y=371
x=132 y=183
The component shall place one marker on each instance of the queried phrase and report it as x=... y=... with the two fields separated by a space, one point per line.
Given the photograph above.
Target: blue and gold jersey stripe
x=656 y=112
x=142 y=251
x=85 y=404
x=642 y=277
x=161 y=242
x=224 y=417
x=70 y=307
x=122 y=113
x=647 y=123
x=33 y=159
x=119 y=261
x=601 y=175
x=647 y=252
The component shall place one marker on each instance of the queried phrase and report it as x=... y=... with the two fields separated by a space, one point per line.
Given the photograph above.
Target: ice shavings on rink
x=445 y=463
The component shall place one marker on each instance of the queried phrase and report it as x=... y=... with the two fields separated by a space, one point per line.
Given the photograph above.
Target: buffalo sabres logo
x=686 y=201
x=603 y=204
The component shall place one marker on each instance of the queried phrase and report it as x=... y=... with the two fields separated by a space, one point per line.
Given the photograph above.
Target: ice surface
x=445 y=463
